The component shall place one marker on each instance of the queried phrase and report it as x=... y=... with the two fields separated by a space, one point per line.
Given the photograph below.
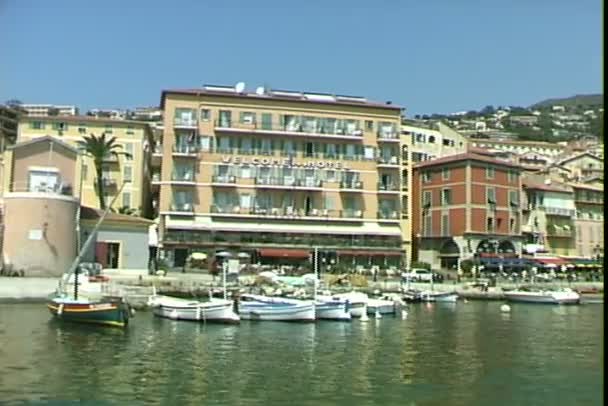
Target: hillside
x=577 y=100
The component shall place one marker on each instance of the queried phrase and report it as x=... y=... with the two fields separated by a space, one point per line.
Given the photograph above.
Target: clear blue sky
x=430 y=56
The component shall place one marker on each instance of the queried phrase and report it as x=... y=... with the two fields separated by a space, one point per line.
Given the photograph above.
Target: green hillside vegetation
x=582 y=100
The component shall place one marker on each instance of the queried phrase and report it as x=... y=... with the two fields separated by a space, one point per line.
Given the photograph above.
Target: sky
x=428 y=56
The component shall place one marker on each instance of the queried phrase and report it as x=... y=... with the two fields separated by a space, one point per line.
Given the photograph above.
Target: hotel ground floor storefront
x=342 y=247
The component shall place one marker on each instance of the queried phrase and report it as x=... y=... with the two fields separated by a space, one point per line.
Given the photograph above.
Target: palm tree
x=100 y=149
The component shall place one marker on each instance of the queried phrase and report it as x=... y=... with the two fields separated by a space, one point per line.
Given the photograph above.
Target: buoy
x=505 y=308
x=403 y=315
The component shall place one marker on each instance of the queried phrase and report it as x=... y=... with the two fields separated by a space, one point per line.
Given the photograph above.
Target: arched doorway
x=449 y=254
x=506 y=247
x=487 y=247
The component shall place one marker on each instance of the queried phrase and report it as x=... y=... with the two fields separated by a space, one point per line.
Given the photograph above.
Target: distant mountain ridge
x=579 y=99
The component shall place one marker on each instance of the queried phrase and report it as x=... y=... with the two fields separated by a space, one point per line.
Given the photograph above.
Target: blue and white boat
x=332 y=308
x=258 y=307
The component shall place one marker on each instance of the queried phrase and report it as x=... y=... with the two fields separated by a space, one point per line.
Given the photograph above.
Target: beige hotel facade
x=273 y=174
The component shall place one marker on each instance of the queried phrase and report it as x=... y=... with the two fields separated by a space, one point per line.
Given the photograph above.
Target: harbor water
x=440 y=354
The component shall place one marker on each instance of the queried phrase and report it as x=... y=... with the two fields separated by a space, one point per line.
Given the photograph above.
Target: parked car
x=421 y=275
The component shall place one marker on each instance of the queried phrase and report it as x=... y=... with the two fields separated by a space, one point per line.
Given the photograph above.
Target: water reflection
x=456 y=355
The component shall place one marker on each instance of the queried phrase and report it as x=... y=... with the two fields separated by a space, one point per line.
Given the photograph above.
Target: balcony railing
x=557 y=211
x=156 y=177
x=185 y=122
x=388 y=160
x=387 y=187
x=292 y=127
x=357 y=185
x=182 y=177
x=289 y=182
x=388 y=215
x=60 y=188
x=286 y=212
x=182 y=207
x=387 y=134
x=108 y=181
x=223 y=179
x=185 y=149
x=553 y=231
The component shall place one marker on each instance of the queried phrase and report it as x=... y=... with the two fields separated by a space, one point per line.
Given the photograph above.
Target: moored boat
x=530 y=295
x=357 y=303
x=332 y=308
x=381 y=306
x=214 y=311
x=258 y=307
x=106 y=311
x=433 y=296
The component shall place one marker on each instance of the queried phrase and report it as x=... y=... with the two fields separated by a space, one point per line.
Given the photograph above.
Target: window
x=129 y=151
x=225 y=118
x=427 y=197
x=446 y=197
x=247 y=117
x=431 y=139
x=490 y=225
x=127 y=173
x=126 y=199
x=205 y=114
x=445 y=174
x=427 y=225
x=130 y=130
x=512 y=177
x=512 y=226
x=60 y=126
x=514 y=199
x=205 y=143
x=43 y=180
x=108 y=129
x=85 y=171
x=426 y=177
x=37 y=125
x=445 y=224
x=266 y=121
x=82 y=130
x=369 y=125
x=491 y=196
x=490 y=173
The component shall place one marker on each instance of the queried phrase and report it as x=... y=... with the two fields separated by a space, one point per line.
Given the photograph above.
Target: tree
x=101 y=148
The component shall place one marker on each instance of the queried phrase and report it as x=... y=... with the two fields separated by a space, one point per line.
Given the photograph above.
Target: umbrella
x=198 y=256
x=223 y=254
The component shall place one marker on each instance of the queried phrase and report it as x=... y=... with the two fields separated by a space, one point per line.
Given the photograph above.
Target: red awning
x=283 y=253
x=371 y=253
x=554 y=261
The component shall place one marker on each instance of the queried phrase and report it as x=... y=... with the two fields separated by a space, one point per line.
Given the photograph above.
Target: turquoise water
x=441 y=354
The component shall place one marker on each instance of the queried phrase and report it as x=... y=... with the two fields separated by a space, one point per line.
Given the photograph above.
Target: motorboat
x=548 y=296
x=357 y=302
x=215 y=310
x=381 y=306
x=434 y=296
x=268 y=308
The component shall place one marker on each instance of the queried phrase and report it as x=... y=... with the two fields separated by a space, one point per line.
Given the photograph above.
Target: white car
x=417 y=275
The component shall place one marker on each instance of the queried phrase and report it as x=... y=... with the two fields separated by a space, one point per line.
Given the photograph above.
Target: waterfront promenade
x=137 y=286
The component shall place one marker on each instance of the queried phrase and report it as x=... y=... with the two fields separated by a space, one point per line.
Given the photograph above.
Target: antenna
x=240 y=87
x=260 y=91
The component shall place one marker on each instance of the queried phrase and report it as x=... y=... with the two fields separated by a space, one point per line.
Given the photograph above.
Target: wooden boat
x=357 y=302
x=215 y=310
x=103 y=310
x=534 y=295
x=258 y=307
x=434 y=296
x=332 y=308
x=381 y=306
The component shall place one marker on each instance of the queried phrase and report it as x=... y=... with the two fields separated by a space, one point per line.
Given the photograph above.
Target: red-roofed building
x=466 y=204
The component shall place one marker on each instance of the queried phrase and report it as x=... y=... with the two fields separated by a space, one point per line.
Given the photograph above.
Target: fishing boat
x=332 y=308
x=215 y=310
x=434 y=296
x=95 y=309
x=537 y=295
x=258 y=307
x=412 y=296
x=381 y=306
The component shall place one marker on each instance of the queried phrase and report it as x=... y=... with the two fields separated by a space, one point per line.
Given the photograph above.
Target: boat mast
x=85 y=246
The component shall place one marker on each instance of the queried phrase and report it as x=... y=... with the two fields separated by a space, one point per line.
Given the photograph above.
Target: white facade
x=433 y=141
x=42 y=110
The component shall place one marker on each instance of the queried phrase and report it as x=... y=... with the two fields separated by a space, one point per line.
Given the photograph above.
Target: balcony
x=351 y=213
x=290 y=182
x=186 y=123
x=55 y=189
x=185 y=150
x=387 y=135
x=556 y=211
x=109 y=182
x=387 y=188
x=388 y=161
x=288 y=213
x=112 y=158
x=293 y=128
x=564 y=231
x=351 y=186
x=219 y=180
x=183 y=178
x=388 y=215
x=186 y=209
x=158 y=150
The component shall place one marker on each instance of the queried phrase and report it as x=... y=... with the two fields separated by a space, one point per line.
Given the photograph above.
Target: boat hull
x=357 y=309
x=446 y=297
x=216 y=311
x=333 y=311
x=277 y=312
x=543 y=297
x=107 y=313
x=380 y=306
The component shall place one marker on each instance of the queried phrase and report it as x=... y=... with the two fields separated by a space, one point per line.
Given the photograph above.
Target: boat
x=357 y=302
x=258 y=307
x=90 y=308
x=412 y=296
x=214 y=311
x=533 y=295
x=434 y=296
x=332 y=308
x=381 y=306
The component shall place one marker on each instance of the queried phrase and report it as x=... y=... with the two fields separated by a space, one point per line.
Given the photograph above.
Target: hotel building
x=270 y=175
x=135 y=138
x=463 y=205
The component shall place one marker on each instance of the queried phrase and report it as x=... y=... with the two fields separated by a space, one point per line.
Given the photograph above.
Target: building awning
x=360 y=253
x=283 y=253
x=552 y=261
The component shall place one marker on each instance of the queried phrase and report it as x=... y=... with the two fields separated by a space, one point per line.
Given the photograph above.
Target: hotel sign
x=286 y=162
